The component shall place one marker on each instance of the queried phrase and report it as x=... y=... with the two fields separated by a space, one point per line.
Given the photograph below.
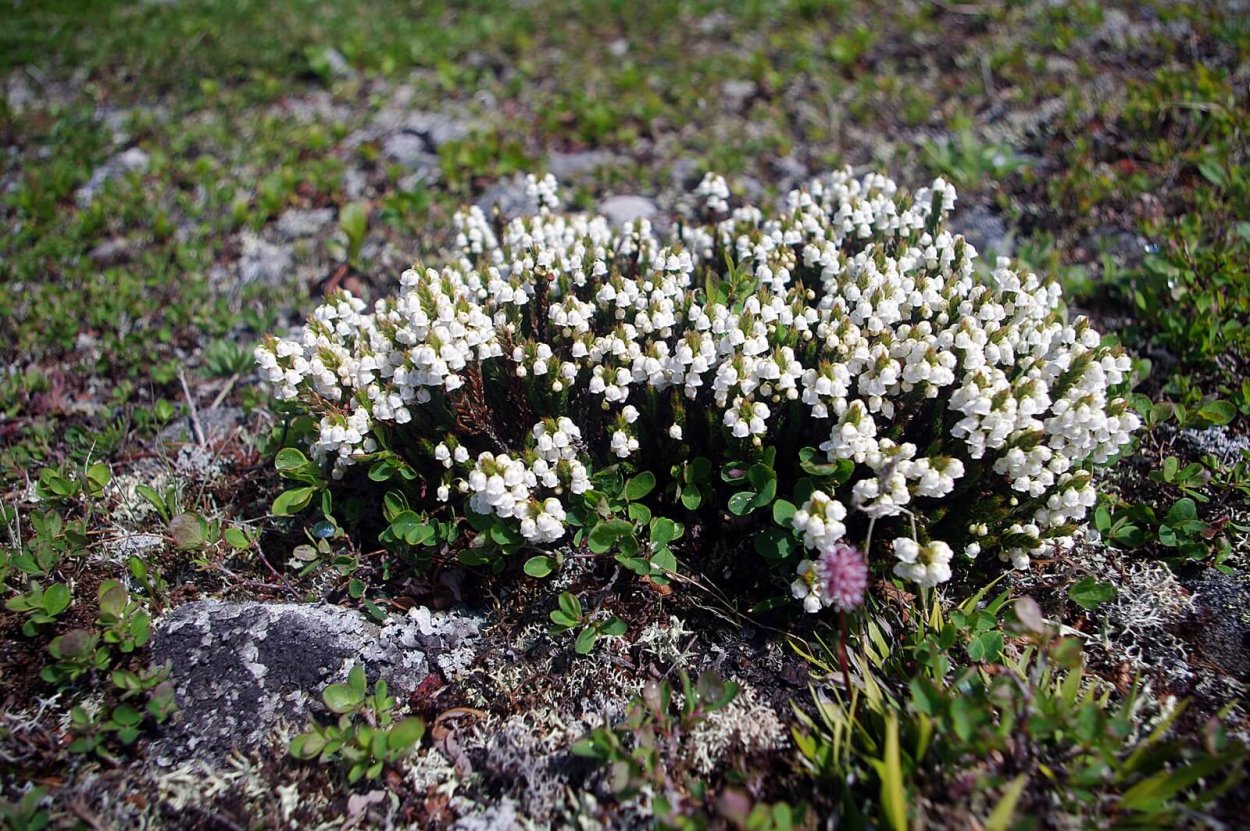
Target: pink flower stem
x=842 y=659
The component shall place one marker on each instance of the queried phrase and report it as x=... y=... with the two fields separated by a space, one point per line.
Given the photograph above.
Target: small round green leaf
x=640 y=485
x=540 y=566
x=404 y=734
x=741 y=502
x=289 y=458
x=1088 y=593
x=341 y=698
x=292 y=501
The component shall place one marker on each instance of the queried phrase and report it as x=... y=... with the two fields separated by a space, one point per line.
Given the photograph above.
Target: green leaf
x=356 y=679
x=405 y=733
x=774 y=544
x=57 y=598
x=663 y=559
x=353 y=220
x=1088 y=593
x=715 y=692
x=189 y=531
x=606 y=533
x=113 y=598
x=341 y=698
x=127 y=715
x=141 y=627
x=570 y=605
x=614 y=627
x=411 y=528
x=890 y=771
x=382 y=470
x=1212 y=172
x=742 y=502
x=640 y=485
x=98 y=475
x=236 y=539
x=307 y=745
x=292 y=501
x=289 y=459
x=1005 y=811
x=783 y=512
x=539 y=566
x=503 y=534
x=691 y=498
x=811 y=461
x=986 y=646
x=585 y=641
x=394 y=503
x=561 y=619
x=663 y=531
x=964 y=714
x=1217 y=412
x=639 y=513
x=1184 y=510
x=760 y=475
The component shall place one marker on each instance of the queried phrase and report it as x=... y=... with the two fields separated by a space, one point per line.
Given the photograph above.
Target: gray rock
x=337 y=64
x=735 y=95
x=984 y=230
x=110 y=252
x=18 y=93
x=407 y=136
x=1222 y=615
x=571 y=165
x=684 y=173
x=438 y=128
x=355 y=183
x=619 y=210
x=128 y=161
x=128 y=545
x=238 y=669
x=413 y=151
x=790 y=170
x=510 y=197
x=263 y=261
x=424 y=177
x=117 y=121
x=296 y=223
x=1125 y=248
x=1116 y=31
x=317 y=106
x=499 y=817
x=751 y=188
x=410 y=137
x=218 y=425
x=1220 y=442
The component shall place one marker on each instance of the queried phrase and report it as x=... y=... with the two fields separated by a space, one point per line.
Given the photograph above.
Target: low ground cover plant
x=841 y=370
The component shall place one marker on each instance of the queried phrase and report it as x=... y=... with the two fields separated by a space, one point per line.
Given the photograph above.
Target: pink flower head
x=844 y=576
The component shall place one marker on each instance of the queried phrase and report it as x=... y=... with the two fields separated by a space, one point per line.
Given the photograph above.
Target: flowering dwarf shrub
x=839 y=371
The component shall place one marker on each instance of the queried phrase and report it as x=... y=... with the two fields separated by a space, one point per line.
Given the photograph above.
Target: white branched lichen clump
x=971 y=409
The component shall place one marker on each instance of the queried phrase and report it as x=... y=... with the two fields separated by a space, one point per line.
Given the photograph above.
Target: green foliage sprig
x=366 y=736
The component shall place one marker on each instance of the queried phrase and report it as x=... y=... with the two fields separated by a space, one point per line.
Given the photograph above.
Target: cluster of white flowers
x=820 y=520
x=851 y=316
x=927 y=565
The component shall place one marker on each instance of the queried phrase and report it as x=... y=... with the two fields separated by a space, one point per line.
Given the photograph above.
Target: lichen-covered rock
x=133 y=160
x=240 y=668
x=218 y=424
x=297 y=223
x=1222 y=612
x=625 y=208
x=985 y=229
